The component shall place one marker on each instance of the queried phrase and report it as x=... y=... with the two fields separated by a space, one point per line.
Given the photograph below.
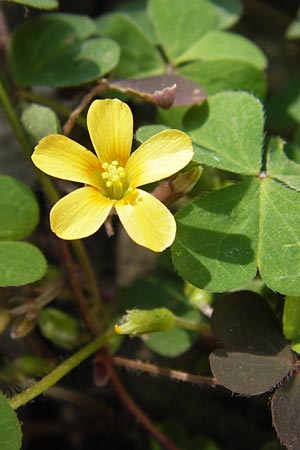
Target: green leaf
x=39 y=121
x=226 y=74
x=20 y=263
x=138 y=13
x=223 y=236
x=139 y=56
x=40 y=4
x=291 y=321
x=179 y=24
x=228 y=12
x=221 y=45
x=227 y=131
x=11 y=435
x=256 y=357
x=60 y=50
x=19 y=210
x=217 y=238
x=279 y=255
x=147 y=131
x=280 y=167
x=175 y=342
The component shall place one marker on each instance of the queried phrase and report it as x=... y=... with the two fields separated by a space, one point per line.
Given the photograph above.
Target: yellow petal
x=79 y=214
x=147 y=221
x=110 y=125
x=159 y=157
x=63 y=158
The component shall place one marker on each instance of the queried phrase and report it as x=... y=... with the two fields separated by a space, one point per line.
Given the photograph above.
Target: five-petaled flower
x=111 y=179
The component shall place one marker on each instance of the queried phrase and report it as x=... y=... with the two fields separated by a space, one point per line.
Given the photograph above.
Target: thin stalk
x=59 y=372
x=186 y=324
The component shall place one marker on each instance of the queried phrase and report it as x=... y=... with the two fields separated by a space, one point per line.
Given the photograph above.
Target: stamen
x=115 y=177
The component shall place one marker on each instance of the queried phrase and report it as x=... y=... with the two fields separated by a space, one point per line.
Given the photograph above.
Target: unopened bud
x=5 y=318
x=59 y=327
x=142 y=321
x=183 y=182
x=199 y=298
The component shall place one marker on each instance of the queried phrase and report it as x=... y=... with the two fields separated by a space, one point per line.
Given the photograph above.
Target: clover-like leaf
x=39 y=4
x=228 y=12
x=11 y=435
x=139 y=56
x=227 y=132
x=222 y=45
x=256 y=357
x=280 y=167
x=285 y=408
x=19 y=211
x=226 y=74
x=60 y=50
x=179 y=23
x=223 y=236
x=20 y=263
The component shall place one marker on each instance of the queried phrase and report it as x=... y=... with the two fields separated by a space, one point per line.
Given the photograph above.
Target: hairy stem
x=59 y=372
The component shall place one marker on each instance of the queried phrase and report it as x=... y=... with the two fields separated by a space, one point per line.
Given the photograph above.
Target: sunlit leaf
x=228 y=12
x=280 y=167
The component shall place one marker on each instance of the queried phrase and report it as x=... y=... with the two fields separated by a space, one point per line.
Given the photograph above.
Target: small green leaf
x=147 y=131
x=175 y=342
x=291 y=319
x=60 y=50
x=40 y=4
x=39 y=121
x=226 y=74
x=223 y=45
x=11 y=435
x=228 y=12
x=280 y=167
x=20 y=263
x=19 y=210
x=227 y=131
x=139 y=56
x=179 y=24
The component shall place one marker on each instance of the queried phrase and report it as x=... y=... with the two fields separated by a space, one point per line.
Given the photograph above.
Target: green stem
x=203 y=328
x=59 y=372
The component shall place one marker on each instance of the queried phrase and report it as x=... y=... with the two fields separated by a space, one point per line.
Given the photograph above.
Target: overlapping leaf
x=10 y=436
x=60 y=50
x=224 y=236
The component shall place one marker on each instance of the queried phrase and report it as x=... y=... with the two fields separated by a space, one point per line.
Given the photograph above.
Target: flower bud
x=59 y=327
x=142 y=321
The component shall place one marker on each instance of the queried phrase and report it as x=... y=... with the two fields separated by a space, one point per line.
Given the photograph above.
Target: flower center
x=115 y=179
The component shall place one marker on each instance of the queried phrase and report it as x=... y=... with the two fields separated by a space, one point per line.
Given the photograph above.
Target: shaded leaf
x=256 y=357
x=59 y=50
x=10 y=436
x=179 y=23
x=19 y=210
x=216 y=238
x=280 y=167
x=139 y=56
x=40 y=4
x=291 y=321
x=223 y=45
x=20 y=263
x=223 y=236
x=138 y=13
x=227 y=131
x=147 y=131
x=285 y=408
x=226 y=74
x=39 y=121
x=163 y=90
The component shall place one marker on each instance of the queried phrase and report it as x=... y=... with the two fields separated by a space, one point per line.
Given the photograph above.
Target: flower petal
x=159 y=157
x=110 y=125
x=147 y=221
x=63 y=158
x=79 y=214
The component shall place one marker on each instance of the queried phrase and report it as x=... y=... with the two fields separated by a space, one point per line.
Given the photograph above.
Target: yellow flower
x=113 y=176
